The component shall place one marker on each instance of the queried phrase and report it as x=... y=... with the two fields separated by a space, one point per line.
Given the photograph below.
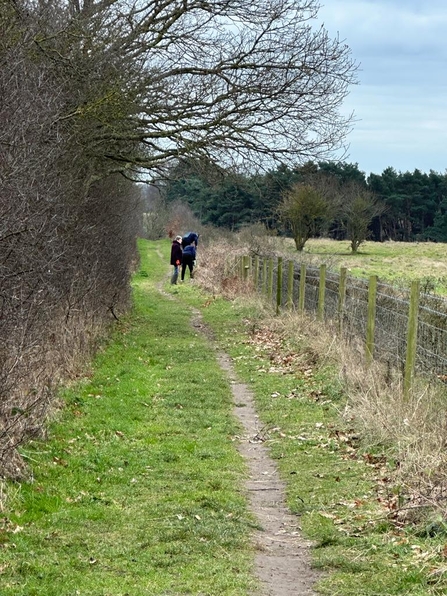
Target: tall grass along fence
x=403 y=327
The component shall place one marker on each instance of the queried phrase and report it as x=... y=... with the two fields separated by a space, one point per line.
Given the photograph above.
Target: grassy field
x=397 y=262
x=137 y=490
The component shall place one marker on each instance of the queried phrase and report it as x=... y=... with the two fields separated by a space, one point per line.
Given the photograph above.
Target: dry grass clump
x=218 y=269
x=413 y=429
x=410 y=431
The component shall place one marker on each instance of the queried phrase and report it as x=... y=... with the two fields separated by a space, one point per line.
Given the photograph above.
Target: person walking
x=188 y=258
x=176 y=258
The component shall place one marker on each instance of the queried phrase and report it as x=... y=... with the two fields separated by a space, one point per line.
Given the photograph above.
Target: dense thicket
x=415 y=204
x=67 y=232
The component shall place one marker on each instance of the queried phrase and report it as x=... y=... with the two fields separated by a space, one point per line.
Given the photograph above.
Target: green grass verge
x=137 y=489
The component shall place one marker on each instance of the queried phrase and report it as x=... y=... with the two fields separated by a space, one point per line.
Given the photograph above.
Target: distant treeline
x=415 y=203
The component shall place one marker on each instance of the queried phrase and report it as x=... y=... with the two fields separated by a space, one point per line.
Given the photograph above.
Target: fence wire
x=391 y=314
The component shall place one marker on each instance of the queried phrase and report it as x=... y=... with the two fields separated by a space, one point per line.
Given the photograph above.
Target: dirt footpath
x=282 y=559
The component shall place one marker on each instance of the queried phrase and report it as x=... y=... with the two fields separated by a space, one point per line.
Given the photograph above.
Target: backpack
x=189 y=239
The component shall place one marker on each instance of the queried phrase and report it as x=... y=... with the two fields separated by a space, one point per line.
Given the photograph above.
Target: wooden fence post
x=270 y=279
x=279 y=286
x=290 y=281
x=371 y=322
x=246 y=267
x=341 y=298
x=321 y=292
x=411 y=338
x=256 y=272
x=264 y=275
x=302 y=287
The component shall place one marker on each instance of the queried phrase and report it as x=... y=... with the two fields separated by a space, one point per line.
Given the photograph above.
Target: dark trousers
x=187 y=261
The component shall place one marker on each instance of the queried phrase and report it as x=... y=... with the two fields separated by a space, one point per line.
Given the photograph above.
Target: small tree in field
x=359 y=208
x=304 y=211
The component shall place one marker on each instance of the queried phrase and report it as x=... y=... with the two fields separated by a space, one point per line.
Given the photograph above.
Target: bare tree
x=238 y=82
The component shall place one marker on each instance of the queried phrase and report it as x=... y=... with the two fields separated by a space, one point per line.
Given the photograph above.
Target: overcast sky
x=401 y=101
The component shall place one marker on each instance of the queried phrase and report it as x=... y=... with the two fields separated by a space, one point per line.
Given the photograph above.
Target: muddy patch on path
x=282 y=555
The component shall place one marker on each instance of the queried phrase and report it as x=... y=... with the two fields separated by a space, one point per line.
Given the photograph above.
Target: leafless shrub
x=181 y=220
x=218 y=269
x=67 y=239
x=157 y=215
x=258 y=239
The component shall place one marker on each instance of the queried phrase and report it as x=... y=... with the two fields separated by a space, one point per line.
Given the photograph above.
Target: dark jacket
x=176 y=253
x=190 y=251
x=190 y=238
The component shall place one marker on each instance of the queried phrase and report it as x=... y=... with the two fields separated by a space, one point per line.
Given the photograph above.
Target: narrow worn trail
x=282 y=555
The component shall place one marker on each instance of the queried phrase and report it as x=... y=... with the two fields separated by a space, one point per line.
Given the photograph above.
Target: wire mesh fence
x=346 y=302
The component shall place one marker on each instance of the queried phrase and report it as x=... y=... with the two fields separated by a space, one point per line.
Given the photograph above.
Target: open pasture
x=392 y=262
